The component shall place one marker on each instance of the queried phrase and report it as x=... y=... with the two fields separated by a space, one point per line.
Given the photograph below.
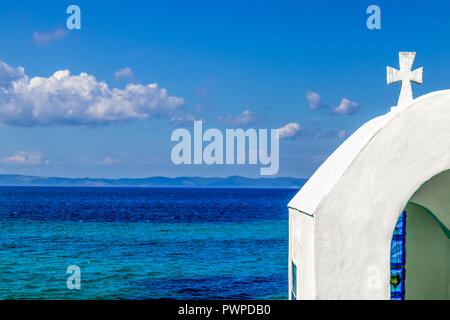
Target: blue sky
x=232 y=64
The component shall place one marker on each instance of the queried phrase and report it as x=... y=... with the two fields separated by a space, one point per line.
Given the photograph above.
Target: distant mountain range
x=230 y=182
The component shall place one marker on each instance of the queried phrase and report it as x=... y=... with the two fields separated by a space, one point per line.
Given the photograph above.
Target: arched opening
x=420 y=247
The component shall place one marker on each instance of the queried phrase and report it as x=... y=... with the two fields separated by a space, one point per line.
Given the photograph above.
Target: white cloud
x=294 y=130
x=125 y=73
x=24 y=157
x=327 y=134
x=345 y=107
x=46 y=37
x=186 y=119
x=9 y=74
x=290 y=130
x=314 y=99
x=110 y=161
x=65 y=99
x=342 y=133
x=245 y=118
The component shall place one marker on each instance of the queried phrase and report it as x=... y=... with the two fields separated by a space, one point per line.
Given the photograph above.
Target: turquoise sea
x=144 y=243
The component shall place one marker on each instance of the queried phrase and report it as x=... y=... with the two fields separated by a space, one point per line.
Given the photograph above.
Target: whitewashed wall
x=354 y=222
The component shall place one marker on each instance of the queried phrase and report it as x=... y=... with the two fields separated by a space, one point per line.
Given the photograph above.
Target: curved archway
x=420 y=247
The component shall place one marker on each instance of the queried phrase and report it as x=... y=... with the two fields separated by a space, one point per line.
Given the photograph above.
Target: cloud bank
x=81 y=100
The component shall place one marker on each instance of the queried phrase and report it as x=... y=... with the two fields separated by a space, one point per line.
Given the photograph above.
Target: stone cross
x=405 y=75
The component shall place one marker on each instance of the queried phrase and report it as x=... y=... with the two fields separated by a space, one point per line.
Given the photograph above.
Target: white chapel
x=373 y=221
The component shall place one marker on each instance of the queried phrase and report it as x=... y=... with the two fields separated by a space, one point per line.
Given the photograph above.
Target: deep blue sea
x=144 y=243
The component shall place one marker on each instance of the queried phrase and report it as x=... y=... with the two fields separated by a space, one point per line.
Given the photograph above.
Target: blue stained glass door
x=398 y=259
